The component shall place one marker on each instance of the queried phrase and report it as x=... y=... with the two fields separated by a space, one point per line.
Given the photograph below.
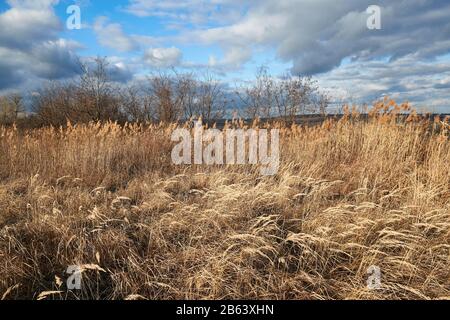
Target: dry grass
x=348 y=195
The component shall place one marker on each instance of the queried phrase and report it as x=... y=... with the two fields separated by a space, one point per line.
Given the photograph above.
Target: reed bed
x=349 y=194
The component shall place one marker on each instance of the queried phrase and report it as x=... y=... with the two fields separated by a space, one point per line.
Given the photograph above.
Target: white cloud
x=421 y=83
x=32 y=4
x=163 y=57
x=29 y=44
x=24 y=25
x=312 y=36
x=315 y=36
x=112 y=36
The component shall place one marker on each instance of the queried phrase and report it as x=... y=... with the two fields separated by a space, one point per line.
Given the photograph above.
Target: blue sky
x=408 y=58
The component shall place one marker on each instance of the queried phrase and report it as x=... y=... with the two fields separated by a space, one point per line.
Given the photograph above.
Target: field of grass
x=349 y=195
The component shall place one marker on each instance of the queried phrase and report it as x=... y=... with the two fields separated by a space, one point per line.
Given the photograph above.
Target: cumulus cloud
x=29 y=44
x=112 y=36
x=27 y=22
x=163 y=57
x=316 y=36
x=34 y=4
x=330 y=41
x=405 y=79
x=55 y=59
x=9 y=77
x=320 y=37
x=120 y=72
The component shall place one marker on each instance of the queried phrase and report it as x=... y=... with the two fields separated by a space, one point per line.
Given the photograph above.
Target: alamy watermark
x=74 y=280
x=374 y=279
x=374 y=20
x=232 y=147
x=73 y=22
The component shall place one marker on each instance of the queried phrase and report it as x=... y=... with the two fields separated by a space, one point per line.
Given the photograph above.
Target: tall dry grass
x=349 y=194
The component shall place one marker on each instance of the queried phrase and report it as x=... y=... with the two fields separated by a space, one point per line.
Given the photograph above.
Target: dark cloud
x=445 y=85
x=316 y=36
x=9 y=77
x=23 y=27
x=55 y=60
x=30 y=47
x=119 y=73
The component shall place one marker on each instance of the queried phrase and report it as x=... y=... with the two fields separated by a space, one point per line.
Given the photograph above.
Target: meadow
x=349 y=194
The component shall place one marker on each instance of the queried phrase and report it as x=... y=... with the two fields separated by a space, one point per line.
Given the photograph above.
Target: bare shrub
x=92 y=98
x=286 y=97
x=11 y=107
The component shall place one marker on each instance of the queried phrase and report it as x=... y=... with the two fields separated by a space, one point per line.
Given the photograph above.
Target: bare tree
x=54 y=104
x=259 y=97
x=298 y=95
x=10 y=108
x=96 y=92
x=165 y=102
x=210 y=98
x=92 y=98
x=284 y=97
x=136 y=105
x=172 y=95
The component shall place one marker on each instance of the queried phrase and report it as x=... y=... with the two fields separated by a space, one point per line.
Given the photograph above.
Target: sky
x=407 y=58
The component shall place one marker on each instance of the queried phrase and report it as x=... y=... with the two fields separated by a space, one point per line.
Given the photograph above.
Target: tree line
x=164 y=96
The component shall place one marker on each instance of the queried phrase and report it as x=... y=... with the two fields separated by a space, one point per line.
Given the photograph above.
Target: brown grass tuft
x=349 y=194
